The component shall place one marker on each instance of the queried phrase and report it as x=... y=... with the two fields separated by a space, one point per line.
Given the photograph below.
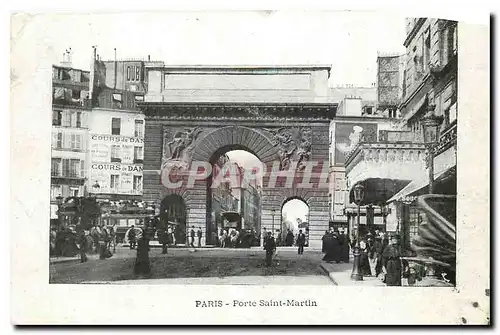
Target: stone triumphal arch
x=279 y=114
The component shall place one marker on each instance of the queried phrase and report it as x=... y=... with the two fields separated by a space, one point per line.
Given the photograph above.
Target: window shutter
x=65 y=167
x=82 y=168
x=59 y=142
x=54 y=140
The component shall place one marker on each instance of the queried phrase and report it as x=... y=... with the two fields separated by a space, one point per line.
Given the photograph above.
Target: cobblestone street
x=211 y=266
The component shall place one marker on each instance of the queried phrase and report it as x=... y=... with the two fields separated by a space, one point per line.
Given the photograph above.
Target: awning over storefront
x=378 y=190
x=418 y=186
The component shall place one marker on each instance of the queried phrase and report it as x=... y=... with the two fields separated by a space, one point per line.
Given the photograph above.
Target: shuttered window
x=115 y=126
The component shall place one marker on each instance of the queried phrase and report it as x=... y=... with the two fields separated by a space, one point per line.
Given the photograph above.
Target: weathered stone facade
x=282 y=144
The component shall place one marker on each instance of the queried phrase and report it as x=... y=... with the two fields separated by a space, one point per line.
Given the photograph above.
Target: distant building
x=222 y=200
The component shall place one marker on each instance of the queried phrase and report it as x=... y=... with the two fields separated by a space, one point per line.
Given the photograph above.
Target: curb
x=68 y=260
x=329 y=274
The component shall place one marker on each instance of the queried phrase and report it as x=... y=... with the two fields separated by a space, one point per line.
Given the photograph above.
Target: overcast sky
x=349 y=41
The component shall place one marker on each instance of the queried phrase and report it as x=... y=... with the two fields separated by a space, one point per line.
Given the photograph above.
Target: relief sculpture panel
x=293 y=144
x=178 y=146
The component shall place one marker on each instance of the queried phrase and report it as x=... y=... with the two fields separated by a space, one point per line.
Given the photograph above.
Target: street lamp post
x=358 y=197
x=431 y=124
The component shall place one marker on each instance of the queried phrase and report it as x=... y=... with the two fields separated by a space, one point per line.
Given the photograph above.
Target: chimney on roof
x=66 y=58
x=149 y=58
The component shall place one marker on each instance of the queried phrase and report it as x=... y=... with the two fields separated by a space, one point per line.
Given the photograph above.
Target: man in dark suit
x=269 y=247
x=301 y=241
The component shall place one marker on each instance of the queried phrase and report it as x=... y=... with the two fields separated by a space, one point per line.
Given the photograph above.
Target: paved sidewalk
x=234 y=280
x=340 y=274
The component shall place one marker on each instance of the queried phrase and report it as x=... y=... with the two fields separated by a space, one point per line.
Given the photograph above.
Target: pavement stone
x=340 y=274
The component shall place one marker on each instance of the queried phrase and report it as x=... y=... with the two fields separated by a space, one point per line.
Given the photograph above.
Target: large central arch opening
x=234 y=193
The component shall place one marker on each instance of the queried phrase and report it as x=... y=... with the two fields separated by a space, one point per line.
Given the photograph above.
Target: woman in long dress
x=364 y=264
x=391 y=259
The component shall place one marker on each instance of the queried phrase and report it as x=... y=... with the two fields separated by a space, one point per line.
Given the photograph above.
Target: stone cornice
x=238 y=111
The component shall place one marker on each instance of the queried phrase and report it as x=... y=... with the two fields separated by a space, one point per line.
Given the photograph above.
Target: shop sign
x=116 y=167
x=116 y=139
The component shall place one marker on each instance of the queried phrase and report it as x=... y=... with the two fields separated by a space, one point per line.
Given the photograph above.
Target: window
x=82 y=168
x=138 y=128
x=115 y=153
x=66 y=119
x=57 y=140
x=427 y=50
x=75 y=94
x=128 y=73
x=78 y=119
x=115 y=126
x=55 y=169
x=74 y=168
x=137 y=73
x=55 y=191
x=56 y=118
x=138 y=154
x=115 y=180
x=137 y=183
x=369 y=110
x=74 y=191
x=75 y=142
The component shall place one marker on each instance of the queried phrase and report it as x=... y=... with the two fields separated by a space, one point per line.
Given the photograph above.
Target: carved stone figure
x=179 y=148
x=293 y=144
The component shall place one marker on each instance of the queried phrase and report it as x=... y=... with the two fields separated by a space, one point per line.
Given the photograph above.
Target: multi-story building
x=394 y=166
x=70 y=109
x=430 y=86
x=116 y=141
x=358 y=118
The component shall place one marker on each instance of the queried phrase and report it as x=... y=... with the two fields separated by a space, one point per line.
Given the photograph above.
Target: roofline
x=69 y=68
x=211 y=104
x=248 y=66
x=242 y=67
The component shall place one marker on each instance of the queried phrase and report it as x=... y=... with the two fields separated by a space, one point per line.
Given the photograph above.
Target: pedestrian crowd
x=65 y=241
x=380 y=254
x=335 y=245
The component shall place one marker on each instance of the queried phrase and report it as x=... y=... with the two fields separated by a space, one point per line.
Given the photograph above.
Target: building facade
x=359 y=117
x=430 y=85
x=395 y=167
x=116 y=141
x=70 y=110
x=216 y=109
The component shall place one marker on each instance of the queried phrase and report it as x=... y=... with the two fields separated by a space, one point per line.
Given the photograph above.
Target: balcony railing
x=72 y=175
x=381 y=152
x=400 y=136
